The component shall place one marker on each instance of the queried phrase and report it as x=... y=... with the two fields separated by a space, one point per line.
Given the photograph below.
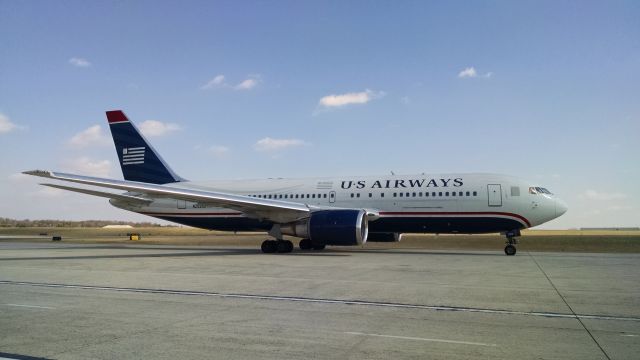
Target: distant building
x=117 y=227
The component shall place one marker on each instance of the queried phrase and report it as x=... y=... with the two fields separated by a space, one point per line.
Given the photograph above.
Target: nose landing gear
x=510 y=248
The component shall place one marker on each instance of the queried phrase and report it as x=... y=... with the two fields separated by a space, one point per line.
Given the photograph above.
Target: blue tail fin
x=138 y=159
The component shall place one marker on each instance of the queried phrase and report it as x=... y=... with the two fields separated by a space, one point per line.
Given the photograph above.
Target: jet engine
x=331 y=227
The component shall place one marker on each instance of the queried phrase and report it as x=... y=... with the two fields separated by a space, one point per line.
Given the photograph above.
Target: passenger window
x=325 y=196
x=370 y=195
x=468 y=193
x=460 y=193
x=401 y=194
x=407 y=194
x=351 y=194
x=413 y=195
x=446 y=194
x=358 y=195
x=440 y=193
x=475 y=193
x=381 y=195
x=426 y=194
x=433 y=194
x=313 y=196
x=285 y=196
x=395 y=194
x=453 y=193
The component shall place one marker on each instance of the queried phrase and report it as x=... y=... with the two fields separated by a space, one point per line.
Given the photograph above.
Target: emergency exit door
x=495 y=194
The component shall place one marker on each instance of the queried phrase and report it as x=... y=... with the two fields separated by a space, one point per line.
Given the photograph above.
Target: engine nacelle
x=331 y=227
x=384 y=237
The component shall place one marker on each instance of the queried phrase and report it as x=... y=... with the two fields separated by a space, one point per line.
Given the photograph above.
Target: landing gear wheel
x=318 y=247
x=284 y=246
x=269 y=246
x=305 y=244
x=510 y=250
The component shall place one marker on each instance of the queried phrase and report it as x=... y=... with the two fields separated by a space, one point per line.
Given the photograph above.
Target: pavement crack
x=569 y=307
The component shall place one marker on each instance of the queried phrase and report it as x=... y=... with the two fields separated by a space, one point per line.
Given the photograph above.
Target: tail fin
x=138 y=159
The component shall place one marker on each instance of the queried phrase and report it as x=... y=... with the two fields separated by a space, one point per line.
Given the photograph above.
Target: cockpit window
x=539 y=190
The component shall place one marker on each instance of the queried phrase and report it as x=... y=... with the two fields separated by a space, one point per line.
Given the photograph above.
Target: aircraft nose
x=561 y=207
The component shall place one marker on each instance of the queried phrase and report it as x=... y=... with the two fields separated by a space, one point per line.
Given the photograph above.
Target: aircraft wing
x=122 y=197
x=274 y=210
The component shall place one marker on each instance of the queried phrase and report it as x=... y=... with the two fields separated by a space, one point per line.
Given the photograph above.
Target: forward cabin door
x=332 y=196
x=495 y=194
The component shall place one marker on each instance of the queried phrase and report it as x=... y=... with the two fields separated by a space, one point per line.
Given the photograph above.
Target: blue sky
x=547 y=91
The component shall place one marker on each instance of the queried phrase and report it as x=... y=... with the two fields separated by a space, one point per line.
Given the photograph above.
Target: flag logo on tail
x=133 y=155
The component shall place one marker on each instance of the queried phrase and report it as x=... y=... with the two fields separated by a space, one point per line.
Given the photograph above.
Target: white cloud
x=6 y=125
x=155 y=128
x=218 y=80
x=91 y=136
x=219 y=151
x=79 y=62
x=249 y=83
x=603 y=196
x=469 y=72
x=268 y=144
x=334 y=101
x=86 y=166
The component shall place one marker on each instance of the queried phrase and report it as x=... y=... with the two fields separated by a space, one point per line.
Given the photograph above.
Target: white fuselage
x=428 y=203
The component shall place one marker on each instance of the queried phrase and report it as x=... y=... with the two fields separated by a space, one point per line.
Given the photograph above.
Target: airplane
x=341 y=211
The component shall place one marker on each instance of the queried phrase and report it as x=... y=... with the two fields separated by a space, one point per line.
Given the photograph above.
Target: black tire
x=284 y=246
x=305 y=244
x=268 y=246
x=318 y=247
x=289 y=246
x=510 y=250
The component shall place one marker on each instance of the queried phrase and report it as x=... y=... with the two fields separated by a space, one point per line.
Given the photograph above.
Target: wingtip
x=41 y=173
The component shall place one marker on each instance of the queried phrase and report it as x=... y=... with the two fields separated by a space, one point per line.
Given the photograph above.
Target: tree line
x=7 y=222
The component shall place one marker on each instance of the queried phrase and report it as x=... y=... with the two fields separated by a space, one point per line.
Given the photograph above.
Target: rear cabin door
x=495 y=194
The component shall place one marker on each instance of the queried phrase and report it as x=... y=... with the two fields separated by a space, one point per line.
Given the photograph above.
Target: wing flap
x=128 y=198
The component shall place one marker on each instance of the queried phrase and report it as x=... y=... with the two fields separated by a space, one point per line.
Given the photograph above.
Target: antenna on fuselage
x=392 y=173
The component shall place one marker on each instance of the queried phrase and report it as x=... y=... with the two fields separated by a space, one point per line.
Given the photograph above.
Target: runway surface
x=76 y=301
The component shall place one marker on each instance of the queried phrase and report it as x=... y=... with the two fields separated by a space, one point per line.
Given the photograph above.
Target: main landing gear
x=279 y=246
x=510 y=248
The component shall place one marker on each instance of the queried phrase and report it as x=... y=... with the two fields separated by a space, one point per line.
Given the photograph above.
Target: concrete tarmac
x=77 y=301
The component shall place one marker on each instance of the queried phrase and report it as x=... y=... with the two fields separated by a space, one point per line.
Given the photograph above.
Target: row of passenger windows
x=425 y=194
x=357 y=195
x=292 y=196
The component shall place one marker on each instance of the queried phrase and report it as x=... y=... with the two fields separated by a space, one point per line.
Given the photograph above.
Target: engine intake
x=332 y=227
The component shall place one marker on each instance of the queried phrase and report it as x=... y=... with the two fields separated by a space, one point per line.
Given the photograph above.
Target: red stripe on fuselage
x=382 y=213
x=520 y=217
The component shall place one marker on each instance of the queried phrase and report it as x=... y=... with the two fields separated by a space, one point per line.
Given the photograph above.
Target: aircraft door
x=332 y=196
x=495 y=194
x=182 y=204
